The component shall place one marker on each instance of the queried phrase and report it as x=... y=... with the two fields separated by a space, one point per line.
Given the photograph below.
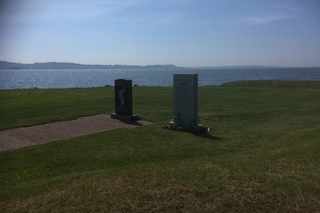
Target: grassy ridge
x=276 y=84
x=262 y=155
x=25 y=107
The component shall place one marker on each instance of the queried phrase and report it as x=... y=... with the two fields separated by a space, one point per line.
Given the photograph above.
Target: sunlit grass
x=262 y=155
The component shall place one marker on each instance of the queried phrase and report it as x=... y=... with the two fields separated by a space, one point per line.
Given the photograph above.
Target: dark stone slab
x=123 y=97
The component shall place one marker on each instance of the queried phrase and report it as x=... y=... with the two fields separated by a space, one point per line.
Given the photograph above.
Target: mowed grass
x=263 y=154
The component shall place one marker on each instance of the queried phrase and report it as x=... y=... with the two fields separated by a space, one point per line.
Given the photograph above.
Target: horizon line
x=210 y=66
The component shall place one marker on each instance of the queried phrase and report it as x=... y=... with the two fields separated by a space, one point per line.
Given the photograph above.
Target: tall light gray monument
x=185 y=97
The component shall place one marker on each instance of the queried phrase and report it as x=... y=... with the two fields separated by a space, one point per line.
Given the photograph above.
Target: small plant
x=194 y=129
x=139 y=117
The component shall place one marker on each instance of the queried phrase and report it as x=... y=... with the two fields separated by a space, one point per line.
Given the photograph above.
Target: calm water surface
x=69 y=78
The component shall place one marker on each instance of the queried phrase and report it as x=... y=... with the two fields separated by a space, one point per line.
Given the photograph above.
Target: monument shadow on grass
x=134 y=123
x=207 y=136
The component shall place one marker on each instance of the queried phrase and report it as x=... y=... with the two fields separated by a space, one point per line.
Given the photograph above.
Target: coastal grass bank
x=262 y=154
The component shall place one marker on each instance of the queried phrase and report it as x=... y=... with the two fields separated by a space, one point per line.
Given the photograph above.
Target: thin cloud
x=287 y=8
x=16 y=12
x=264 y=20
x=171 y=19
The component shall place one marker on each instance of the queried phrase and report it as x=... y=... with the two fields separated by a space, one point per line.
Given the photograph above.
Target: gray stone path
x=29 y=136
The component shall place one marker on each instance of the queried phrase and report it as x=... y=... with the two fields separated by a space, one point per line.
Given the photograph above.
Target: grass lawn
x=263 y=154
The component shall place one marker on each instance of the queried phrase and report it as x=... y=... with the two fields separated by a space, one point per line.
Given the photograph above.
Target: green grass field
x=262 y=155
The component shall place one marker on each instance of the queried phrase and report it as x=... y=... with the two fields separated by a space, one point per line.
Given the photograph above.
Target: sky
x=188 y=33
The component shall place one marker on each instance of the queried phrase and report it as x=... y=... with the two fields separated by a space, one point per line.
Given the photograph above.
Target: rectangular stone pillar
x=123 y=100
x=185 y=91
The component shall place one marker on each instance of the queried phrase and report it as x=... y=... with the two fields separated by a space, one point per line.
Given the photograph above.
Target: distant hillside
x=67 y=65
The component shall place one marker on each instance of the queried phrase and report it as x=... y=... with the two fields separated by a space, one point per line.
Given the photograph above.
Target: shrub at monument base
x=194 y=129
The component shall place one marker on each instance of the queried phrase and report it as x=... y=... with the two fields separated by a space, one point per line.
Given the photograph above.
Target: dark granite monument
x=123 y=100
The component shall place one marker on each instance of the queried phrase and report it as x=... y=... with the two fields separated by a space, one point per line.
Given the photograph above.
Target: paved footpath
x=30 y=136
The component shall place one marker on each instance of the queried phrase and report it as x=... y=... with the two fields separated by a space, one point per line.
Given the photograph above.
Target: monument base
x=124 y=117
x=194 y=129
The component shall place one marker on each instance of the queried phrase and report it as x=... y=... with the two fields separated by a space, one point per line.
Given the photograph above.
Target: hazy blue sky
x=180 y=32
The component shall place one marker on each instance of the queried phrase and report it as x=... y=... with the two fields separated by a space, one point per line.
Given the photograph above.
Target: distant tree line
x=67 y=65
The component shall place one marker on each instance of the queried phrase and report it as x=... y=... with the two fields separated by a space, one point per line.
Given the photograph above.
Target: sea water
x=71 y=78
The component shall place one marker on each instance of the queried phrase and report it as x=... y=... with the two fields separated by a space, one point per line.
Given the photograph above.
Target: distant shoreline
x=69 y=65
